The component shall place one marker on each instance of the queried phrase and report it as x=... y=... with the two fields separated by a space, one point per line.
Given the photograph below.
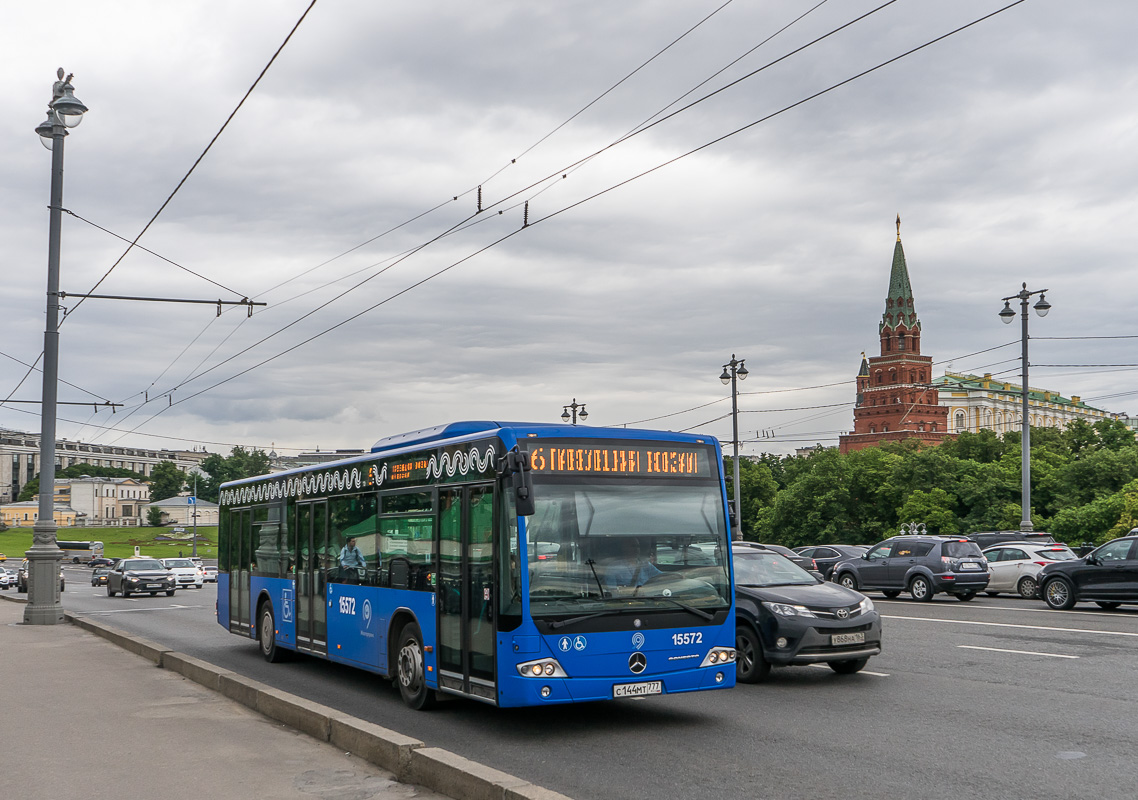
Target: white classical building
x=976 y=403
x=20 y=456
x=179 y=511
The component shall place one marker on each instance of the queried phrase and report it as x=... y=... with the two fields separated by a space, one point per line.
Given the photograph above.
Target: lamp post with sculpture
x=44 y=558
x=1007 y=314
x=735 y=370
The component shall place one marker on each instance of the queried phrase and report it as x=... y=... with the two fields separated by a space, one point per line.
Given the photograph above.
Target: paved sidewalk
x=84 y=718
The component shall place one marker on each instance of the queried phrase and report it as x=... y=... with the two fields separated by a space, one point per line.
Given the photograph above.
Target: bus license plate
x=839 y=639
x=638 y=689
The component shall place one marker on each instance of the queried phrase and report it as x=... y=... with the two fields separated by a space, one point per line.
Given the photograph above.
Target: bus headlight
x=542 y=668
x=719 y=655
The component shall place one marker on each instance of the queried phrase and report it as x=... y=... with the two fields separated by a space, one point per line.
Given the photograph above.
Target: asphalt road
x=998 y=697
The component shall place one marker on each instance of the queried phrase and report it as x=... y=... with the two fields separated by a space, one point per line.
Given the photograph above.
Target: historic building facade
x=895 y=398
x=983 y=402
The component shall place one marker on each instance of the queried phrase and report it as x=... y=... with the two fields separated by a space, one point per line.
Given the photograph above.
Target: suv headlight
x=542 y=668
x=787 y=610
x=865 y=606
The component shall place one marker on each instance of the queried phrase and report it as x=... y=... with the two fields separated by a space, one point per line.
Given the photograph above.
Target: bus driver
x=630 y=568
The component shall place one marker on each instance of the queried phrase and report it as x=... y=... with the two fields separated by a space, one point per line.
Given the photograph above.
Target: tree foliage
x=1084 y=487
x=240 y=463
x=166 y=481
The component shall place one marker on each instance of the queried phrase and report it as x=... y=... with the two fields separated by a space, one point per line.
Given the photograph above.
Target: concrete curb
x=410 y=760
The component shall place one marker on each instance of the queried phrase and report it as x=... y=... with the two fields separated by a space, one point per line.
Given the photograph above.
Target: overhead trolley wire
x=605 y=191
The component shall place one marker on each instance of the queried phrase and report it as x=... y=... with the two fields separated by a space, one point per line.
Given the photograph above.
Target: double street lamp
x=733 y=371
x=44 y=558
x=571 y=413
x=1007 y=314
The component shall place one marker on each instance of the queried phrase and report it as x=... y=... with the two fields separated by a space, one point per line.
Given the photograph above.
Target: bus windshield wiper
x=562 y=623
x=699 y=612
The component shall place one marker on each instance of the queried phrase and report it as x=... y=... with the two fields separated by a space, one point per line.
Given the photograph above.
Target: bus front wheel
x=410 y=674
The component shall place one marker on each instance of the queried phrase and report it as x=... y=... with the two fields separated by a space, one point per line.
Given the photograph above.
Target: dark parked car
x=102 y=562
x=786 y=616
x=921 y=565
x=802 y=561
x=140 y=575
x=828 y=556
x=1108 y=575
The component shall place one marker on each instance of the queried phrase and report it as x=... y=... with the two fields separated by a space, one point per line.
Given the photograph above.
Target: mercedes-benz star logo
x=637 y=662
x=843 y=613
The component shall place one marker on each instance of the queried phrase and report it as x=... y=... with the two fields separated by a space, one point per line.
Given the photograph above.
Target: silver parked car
x=1015 y=566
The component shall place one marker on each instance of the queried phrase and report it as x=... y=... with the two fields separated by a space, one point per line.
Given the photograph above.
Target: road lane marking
x=1116 y=614
x=125 y=610
x=1021 y=652
x=859 y=672
x=1010 y=625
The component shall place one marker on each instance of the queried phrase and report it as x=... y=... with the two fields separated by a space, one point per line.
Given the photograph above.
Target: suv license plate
x=839 y=639
x=638 y=689
x=970 y=565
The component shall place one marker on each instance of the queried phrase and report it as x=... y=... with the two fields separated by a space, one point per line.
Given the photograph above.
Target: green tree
x=166 y=480
x=240 y=463
x=154 y=516
x=934 y=508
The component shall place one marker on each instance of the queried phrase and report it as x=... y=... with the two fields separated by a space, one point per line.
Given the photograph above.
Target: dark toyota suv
x=920 y=565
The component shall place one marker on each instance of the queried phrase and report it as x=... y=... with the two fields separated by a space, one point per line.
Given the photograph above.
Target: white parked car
x=186 y=573
x=1015 y=566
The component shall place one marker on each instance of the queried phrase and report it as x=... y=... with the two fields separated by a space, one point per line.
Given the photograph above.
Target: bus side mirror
x=515 y=464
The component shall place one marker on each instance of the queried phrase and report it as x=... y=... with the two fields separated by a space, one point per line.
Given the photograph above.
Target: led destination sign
x=555 y=459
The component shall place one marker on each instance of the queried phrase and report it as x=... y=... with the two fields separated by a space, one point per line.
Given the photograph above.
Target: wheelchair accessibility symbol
x=286 y=605
x=579 y=643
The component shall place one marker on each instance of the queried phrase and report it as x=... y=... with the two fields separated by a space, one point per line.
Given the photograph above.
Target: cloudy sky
x=758 y=222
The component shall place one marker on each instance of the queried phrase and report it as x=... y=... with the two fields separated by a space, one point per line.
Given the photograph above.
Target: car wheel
x=891 y=593
x=848 y=580
x=964 y=597
x=169 y=592
x=410 y=674
x=920 y=589
x=266 y=634
x=1109 y=606
x=1027 y=587
x=110 y=591
x=125 y=591
x=750 y=666
x=848 y=667
x=992 y=594
x=1059 y=594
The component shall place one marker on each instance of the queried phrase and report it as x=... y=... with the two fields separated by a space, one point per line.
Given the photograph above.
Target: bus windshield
x=610 y=545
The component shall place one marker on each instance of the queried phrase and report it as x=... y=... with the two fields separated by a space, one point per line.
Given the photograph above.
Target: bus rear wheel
x=410 y=673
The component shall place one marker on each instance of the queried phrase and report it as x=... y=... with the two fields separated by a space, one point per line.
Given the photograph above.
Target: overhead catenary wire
x=611 y=188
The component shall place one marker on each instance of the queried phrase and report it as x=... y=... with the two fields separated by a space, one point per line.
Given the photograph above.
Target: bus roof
x=469 y=427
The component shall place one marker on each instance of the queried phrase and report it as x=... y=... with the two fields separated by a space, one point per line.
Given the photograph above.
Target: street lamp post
x=732 y=370
x=583 y=414
x=44 y=558
x=1007 y=315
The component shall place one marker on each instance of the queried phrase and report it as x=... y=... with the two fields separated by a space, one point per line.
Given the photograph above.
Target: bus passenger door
x=311 y=573
x=465 y=591
x=240 y=557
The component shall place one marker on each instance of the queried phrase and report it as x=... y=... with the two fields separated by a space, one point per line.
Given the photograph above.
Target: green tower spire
x=899 y=309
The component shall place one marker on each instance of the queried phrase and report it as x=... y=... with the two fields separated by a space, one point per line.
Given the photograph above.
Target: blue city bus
x=512 y=563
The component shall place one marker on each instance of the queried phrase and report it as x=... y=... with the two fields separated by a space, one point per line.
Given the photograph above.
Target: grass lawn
x=119 y=542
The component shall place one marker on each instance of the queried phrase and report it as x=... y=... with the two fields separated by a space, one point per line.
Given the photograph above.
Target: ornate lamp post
x=44 y=608
x=1007 y=315
x=732 y=370
x=572 y=407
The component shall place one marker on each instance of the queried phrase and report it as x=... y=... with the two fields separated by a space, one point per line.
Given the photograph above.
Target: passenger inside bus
x=630 y=568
